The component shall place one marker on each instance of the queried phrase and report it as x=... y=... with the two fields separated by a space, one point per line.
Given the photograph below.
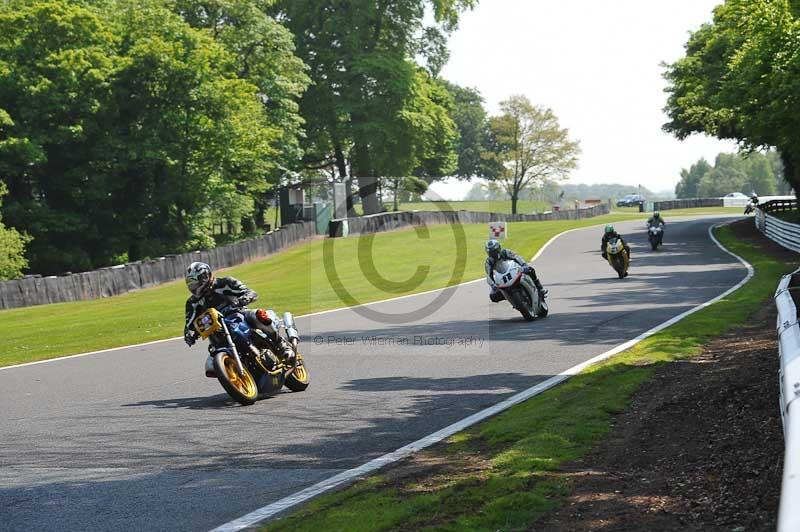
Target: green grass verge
x=523 y=448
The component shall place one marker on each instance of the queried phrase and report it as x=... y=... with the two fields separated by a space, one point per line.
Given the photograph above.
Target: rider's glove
x=527 y=270
x=190 y=338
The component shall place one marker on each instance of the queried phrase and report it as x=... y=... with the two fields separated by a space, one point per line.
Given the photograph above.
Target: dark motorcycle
x=243 y=358
x=655 y=235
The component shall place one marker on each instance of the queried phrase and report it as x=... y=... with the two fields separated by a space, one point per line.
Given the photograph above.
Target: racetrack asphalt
x=138 y=438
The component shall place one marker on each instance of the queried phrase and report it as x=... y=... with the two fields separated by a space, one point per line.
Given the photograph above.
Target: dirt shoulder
x=700 y=448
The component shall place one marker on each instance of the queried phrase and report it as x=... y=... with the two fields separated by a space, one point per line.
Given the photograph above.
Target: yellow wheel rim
x=244 y=383
x=300 y=374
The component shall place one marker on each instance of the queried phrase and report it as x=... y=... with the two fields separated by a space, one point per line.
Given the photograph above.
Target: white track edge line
x=350 y=475
x=330 y=311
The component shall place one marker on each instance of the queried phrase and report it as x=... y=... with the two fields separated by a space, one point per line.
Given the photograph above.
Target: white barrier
x=789 y=378
x=784 y=233
x=735 y=202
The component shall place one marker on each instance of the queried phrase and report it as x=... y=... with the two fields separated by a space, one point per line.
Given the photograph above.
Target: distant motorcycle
x=519 y=290
x=617 y=257
x=242 y=357
x=655 y=235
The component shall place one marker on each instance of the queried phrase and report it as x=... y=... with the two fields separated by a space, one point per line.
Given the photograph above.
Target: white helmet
x=198 y=277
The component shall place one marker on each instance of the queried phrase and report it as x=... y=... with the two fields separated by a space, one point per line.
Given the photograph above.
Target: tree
x=750 y=172
x=471 y=119
x=366 y=88
x=263 y=52
x=690 y=179
x=57 y=60
x=125 y=131
x=12 y=248
x=410 y=184
x=738 y=80
x=196 y=141
x=528 y=146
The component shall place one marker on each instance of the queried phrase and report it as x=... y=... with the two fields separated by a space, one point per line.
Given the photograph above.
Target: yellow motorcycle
x=617 y=257
x=242 y=357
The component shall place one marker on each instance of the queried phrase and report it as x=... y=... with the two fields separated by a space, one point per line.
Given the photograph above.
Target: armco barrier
x=687 y=204
x=389 y=221
x=786 y=234
x=106 y=282
x=789 y=378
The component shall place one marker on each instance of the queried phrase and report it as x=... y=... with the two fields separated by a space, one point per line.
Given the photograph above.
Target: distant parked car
x=737 y=195
x=630 y=200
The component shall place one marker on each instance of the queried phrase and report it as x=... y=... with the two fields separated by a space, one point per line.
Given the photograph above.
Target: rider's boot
x=542 y=290
x=283 y=348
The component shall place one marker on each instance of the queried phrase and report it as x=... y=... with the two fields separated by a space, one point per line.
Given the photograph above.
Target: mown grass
x=293 y=280
x=522 y=449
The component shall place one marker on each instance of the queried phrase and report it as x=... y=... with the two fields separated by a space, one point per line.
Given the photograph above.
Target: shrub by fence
x=687 y=204
x=106 y=282
x=388 y=221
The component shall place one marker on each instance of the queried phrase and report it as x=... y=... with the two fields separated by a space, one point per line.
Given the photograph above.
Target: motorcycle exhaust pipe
x=291 y=329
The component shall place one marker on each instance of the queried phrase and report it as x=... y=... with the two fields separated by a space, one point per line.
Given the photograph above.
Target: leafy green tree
x=737 y=80
x=57 y=60
x=203 y=143
x=366 y=91
x=690 y=179
x=263 y=52
x=746 y=173
x=471 y=119
x=126 y=132
x=528 y=146
x=12 y=248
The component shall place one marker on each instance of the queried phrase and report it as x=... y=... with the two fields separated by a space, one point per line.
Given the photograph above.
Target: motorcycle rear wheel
x=298 y=380
x=544 y=309
x=241 y=388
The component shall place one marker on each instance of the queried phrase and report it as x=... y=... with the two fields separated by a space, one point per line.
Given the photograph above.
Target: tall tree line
x=755 y=172
x=128 y=128
x=738 y=80
x=131 y=126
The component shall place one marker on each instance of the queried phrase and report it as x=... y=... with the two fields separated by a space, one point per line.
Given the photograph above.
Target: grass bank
x=503 y=474
x=403 y=262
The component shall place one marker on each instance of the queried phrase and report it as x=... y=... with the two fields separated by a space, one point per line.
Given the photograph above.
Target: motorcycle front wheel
x=519 y=303
x=241 y=388
x=298 y=380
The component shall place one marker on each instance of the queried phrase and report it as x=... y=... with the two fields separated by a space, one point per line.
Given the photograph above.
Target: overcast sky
x=596 y=63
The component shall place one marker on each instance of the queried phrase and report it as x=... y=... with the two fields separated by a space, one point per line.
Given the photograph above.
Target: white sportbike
x=519 y=290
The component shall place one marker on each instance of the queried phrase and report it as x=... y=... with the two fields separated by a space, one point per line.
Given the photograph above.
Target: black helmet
x=493 y=248
x=198 y=278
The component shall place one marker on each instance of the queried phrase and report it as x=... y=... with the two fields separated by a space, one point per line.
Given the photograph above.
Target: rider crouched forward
x=496 y=253
x=211 y=292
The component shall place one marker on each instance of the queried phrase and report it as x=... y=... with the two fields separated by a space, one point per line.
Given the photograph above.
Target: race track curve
x=138 y=439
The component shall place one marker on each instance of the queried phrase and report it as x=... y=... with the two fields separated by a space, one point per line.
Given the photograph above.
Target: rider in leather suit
x=209 y=291
x=495 y=253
